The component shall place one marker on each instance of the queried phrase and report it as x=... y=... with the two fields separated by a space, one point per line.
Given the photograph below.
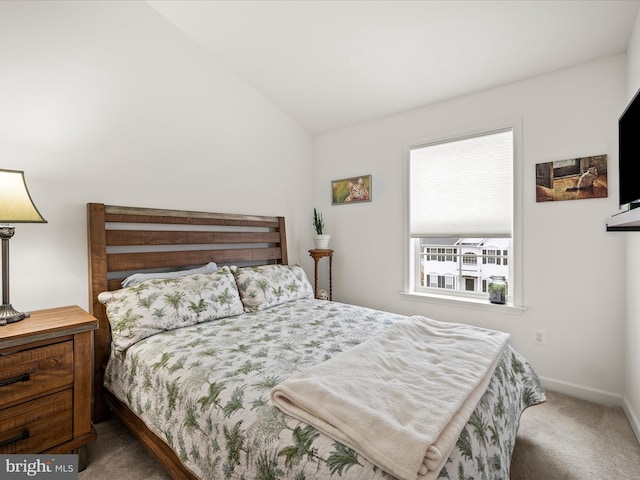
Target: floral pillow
x=158 y=305
x=269 y=285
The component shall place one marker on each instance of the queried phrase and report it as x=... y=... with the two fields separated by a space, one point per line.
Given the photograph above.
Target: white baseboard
x=595 y=395
x=633 y=418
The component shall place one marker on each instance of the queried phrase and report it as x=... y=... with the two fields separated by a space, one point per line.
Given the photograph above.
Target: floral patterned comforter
x=204 y=389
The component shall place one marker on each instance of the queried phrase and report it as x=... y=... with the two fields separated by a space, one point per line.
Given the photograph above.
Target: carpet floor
x=570 y=439
x=562 y=439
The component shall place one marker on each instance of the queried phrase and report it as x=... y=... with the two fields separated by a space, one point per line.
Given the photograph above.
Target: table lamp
x=16 y=206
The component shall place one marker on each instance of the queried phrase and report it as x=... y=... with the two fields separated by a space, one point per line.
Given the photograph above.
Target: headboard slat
x=152 y=237
x=168 y=217
x=119 y=262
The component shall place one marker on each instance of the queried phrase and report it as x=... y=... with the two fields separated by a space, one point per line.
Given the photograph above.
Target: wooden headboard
x=125 y=240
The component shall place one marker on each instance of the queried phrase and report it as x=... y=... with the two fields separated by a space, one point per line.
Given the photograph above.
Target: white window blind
x=463 y=187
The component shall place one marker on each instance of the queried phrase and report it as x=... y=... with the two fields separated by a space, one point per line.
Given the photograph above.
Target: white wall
x=572 y=268
x=108 y=102
x=632 y=282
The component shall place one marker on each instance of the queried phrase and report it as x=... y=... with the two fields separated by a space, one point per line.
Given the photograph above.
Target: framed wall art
x=347 y=191
x=572 y=179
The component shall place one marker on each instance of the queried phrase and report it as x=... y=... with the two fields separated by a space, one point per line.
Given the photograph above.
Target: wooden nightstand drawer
x=37 y=425
x=35 y=371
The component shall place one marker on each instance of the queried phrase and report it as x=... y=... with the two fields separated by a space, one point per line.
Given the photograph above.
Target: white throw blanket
x=399 y=399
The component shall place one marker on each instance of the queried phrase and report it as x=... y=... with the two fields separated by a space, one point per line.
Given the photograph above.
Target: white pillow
x=136 y=278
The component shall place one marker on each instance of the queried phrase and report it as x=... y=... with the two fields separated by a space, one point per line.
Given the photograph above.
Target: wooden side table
x=46 y=366
x=317 y=254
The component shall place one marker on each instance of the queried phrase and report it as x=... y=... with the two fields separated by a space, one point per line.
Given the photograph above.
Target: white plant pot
x=322 y=242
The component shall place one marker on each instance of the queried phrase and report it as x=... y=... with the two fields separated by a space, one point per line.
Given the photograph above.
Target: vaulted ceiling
x=330 y=64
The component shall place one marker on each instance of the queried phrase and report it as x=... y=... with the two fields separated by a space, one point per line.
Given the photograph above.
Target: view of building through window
x=461 y=225
x=464 y=264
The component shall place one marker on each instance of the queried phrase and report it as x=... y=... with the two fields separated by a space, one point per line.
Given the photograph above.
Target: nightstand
x=46 y=383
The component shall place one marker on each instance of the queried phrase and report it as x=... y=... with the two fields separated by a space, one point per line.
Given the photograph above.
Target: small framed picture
x=347 y=191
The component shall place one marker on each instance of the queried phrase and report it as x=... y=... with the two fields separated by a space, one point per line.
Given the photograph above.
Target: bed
x=198 y=388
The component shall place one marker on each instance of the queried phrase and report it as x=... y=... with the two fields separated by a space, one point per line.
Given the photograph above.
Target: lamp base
x=8 y=314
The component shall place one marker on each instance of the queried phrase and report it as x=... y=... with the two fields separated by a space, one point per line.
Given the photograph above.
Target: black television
x=629 y=154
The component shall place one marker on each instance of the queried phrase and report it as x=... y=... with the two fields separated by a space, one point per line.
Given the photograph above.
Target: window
x=461 y=213
x=470 y=258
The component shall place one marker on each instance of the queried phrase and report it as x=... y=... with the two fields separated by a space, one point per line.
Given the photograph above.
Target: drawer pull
x=20 y=378
x=22 y=436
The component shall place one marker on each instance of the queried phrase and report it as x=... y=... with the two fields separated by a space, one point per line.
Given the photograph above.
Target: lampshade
x=16 y=205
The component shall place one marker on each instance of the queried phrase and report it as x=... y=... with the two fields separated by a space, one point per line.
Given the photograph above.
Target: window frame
x=515 y=303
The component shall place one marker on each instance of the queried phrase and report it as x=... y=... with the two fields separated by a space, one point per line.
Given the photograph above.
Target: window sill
x=467 y=302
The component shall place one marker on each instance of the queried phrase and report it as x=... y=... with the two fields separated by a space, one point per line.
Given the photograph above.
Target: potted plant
x=321 y=240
